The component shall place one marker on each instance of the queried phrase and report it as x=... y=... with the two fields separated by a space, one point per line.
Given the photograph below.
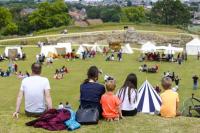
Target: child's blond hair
x=166 y=83
x=110 y=85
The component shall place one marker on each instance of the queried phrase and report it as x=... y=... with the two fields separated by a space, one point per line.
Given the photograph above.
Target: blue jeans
x=195 y=86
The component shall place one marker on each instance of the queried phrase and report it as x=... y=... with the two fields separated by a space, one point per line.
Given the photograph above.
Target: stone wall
x=128 y=36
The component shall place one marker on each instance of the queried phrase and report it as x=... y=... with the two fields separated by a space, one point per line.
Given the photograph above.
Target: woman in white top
x=128 y=95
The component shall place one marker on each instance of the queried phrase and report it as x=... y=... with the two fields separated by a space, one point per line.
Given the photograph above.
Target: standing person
x=170 y=100
x=177 y=80
x=36 y=90
x=195 y=82
x=119 y=55
x=198 y=55
x=91 y=91
x=15 y=67
x=128 y=96
x=185 y=55
x=111 y=103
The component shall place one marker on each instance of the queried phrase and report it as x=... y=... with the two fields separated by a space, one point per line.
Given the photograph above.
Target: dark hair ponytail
x=93 y=73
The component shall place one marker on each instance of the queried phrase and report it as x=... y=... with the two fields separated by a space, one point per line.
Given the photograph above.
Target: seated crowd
x=157 y=56
x=110 y=106
x=145 y=68
x=111 y=57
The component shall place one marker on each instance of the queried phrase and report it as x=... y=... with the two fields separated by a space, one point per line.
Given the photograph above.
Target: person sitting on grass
x=91 y=91
x=36 y=90
x=58 y=75
x=64 y=70
x=128 y=96
x=111 y=103
x=170 y=100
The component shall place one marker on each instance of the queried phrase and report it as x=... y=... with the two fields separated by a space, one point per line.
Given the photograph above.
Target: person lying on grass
x=36 y=90
x=111 y=103
x=170 y=100
x=128 y=95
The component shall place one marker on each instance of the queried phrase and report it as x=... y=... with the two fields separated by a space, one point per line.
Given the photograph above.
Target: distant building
x=38 y=1
x=26 y=11
x=72 y=1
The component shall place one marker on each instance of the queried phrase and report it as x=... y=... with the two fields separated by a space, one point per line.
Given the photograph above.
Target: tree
x=6 y=17
x=134 y=14
x=110 y=14
x=10 y=29
x=171 y=12
x=7 y=26
x=49 y=15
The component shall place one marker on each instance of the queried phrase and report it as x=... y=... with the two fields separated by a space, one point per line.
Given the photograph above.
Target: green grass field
x=68 y=90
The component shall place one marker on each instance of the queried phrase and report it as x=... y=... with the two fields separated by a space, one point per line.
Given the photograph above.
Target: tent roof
x=148 y=99
x=127 y=49
x=148 y=47
x=194 y=42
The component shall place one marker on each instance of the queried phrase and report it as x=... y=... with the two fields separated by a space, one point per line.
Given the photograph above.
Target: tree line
x=54 y=14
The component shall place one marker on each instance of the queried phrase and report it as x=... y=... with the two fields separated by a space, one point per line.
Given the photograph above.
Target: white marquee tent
x=127 y=49
x=67 y=46
x=80 y=50
x=148 y=99
x=172 y=50
x=193 y=47
x=13 y=51
x=56 y=49
x=148 y=47
x=45 y=50
x=94 y=47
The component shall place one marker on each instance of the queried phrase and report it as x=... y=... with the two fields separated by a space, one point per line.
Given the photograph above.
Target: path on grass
x=89 y=33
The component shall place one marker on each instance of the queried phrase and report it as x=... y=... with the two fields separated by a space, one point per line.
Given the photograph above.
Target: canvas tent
x=193 y=47
x=127 y=49
x=148 y=99
x=12 y=52
x=46 y=50
x=172 y=50
x=148 y=47
x=59 y=49
x=67 y=46
x=96 y=48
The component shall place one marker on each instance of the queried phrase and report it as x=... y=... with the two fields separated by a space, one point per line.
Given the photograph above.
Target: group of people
x=87 y=53
x=71 y=56
x=59 y=74
x=145 y=68
x=110 y=106
x=157 y=56
x=12 y=68
x=21 y=75
x=111 y=57
x=175 y=78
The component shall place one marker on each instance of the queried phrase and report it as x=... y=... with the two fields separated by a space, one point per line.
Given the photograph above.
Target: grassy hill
x=68 y=90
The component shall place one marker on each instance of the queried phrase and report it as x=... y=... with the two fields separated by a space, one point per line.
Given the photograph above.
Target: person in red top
x=110 y=103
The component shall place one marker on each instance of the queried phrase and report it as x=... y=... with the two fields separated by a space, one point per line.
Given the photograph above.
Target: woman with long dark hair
x=128 y=95
x=91 y=91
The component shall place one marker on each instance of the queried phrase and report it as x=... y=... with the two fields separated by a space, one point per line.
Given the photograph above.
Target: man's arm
x=48 y=99
x=18 y=104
